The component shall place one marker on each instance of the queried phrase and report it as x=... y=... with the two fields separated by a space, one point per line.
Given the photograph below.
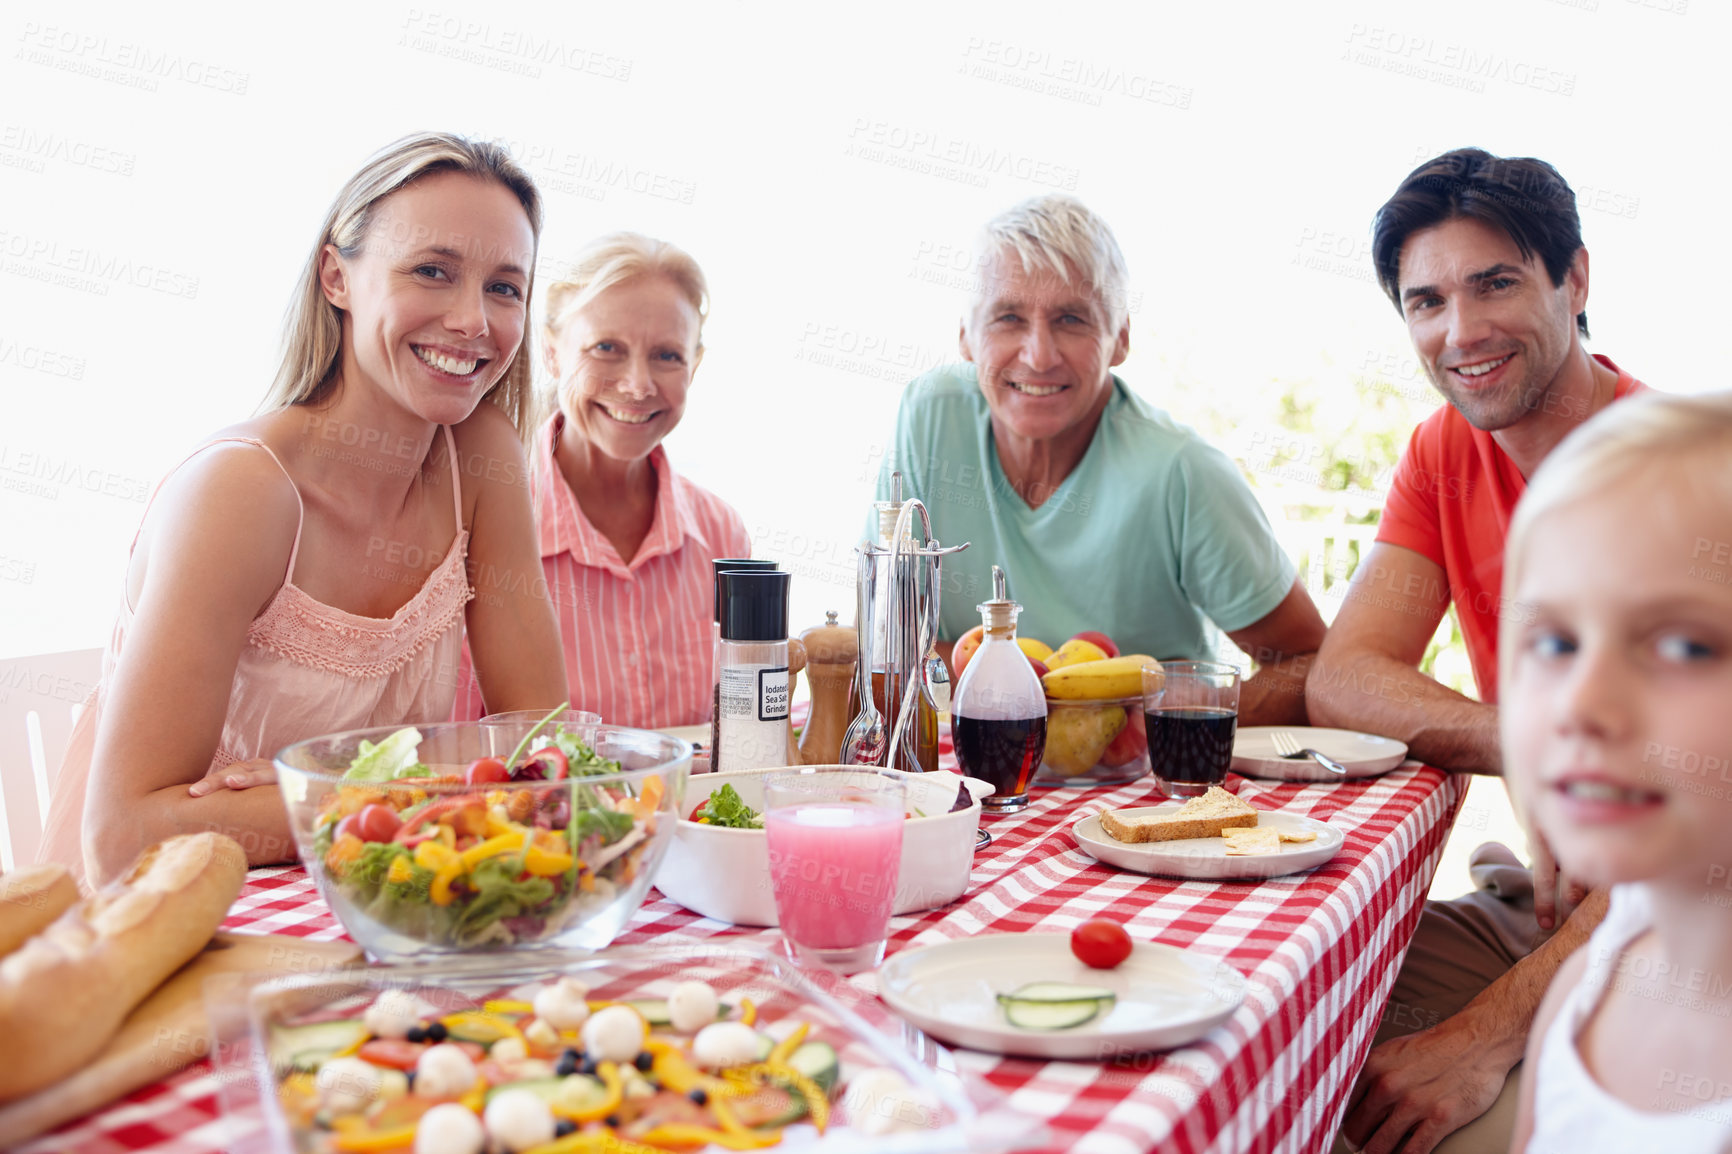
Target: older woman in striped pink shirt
x=626 y=542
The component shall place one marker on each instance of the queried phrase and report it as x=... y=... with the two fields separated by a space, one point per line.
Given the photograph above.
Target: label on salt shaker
x=753 y=722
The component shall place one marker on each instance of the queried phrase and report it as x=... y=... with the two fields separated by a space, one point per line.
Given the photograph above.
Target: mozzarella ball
x=726 y=1044
x=391 y=1015
x=444 y=1071
x=517 y=1120
x=613 y=1034
x=692 y=1006
x=450 y=1129
x=347 y=1085
x=562 y=1005
x=880 y=1101
x=508 y=1051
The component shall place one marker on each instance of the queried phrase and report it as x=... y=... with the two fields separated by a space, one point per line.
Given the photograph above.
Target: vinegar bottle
x=998 y=713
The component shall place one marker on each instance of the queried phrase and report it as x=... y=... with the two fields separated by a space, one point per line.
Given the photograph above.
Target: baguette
x=67 y=990
x=1205 y=816
x=30 y=898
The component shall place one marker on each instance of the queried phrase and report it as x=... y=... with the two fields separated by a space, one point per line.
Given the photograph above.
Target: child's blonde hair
x=1625 y=444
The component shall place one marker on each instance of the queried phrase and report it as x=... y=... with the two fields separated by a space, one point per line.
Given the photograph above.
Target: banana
x=1105 y=680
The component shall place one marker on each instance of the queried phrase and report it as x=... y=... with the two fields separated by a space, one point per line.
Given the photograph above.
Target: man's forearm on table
x=1275 y=695
x=1378 y=694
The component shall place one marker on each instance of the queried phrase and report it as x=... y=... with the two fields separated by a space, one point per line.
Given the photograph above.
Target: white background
x=828 y=169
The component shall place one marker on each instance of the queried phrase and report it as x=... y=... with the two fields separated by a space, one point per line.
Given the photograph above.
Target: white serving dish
x=724 y=873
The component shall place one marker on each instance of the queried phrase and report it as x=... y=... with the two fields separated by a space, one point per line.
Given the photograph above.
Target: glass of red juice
x=1192 y=711
x=835 y=841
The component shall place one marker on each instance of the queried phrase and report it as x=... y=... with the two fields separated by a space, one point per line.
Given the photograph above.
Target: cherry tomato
x=486 y=769
x=393 y=1052
x=1100 y=943
x=376 y=823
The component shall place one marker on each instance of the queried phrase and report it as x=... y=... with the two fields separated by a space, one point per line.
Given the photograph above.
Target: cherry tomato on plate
x=486 y=769
x=1100 y=943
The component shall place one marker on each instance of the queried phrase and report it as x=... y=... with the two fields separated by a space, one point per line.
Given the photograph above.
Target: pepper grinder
x=832 y=651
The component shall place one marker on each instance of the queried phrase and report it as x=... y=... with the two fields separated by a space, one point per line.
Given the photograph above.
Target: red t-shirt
x=1451 y=500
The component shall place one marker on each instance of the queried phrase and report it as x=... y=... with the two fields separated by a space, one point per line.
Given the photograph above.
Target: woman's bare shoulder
x=489 y=450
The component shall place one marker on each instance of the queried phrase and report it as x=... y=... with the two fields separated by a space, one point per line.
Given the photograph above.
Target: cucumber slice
x=655 y=1011
x=480 y=1032
x=1057 y=992
x=816 y=1060
x=573 y=1092
x=1052 y=1015
x=307 y=1047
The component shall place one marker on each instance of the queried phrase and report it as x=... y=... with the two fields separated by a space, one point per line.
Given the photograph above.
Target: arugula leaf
x=582 y=758
x=727 y=808
x=391 y=758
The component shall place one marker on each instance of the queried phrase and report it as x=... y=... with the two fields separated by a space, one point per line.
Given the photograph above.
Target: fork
x=1288 y=747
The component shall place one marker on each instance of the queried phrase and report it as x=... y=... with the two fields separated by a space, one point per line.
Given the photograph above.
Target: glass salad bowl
x=482 y=836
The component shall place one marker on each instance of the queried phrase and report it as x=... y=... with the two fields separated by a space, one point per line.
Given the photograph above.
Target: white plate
x=1205 y=858
x=1361 y=754
x=1166 y=996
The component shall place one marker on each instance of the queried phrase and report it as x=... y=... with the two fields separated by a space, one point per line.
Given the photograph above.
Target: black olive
x=587 y=1066
x=563 y=1126
x=436 y=1032
x=645 y=1061
x=697 y=1095
x=416 y=1034
x=611 y=1121
x=567 y=1064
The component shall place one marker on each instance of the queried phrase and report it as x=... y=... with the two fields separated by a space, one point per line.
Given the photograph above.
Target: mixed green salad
x=492 y=863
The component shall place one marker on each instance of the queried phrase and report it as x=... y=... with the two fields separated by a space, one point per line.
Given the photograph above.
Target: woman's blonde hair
x=313 y=331
x=1654 y=441
x=614 y=259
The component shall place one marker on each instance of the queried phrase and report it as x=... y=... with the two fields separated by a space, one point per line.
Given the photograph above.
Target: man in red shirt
x=1483 y=257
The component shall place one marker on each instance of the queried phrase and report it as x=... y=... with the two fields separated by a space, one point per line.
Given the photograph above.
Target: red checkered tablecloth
x=1319 y=951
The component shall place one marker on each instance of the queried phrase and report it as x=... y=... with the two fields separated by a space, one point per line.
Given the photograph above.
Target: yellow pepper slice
x=614 y=1081
x=473 y=1024
x=505 y=1006
x=492 y=847
x=684 y=1134
x=780 y=1053
x=432 y=855
x=586 y=1141
x=542 y=864
x=402 y=870
x=748 y=1011
x=393 y=1139
x=476 y=1096
x=440 y=890
x=678 y=1075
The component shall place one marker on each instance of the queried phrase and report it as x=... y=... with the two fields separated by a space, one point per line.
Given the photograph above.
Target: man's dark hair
x=1524 y=197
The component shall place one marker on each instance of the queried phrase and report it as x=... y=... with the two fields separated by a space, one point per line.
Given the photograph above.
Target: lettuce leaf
x=583 y=759
x=394 y=757
x=727 y=808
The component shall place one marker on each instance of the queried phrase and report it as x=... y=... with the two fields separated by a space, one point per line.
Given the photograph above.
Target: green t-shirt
x=1152 y=535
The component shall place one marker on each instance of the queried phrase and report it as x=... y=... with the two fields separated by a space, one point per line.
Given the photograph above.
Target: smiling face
x=434 y=303
x=1490 y=328
x=624 y=362
x=1045 y=347
x=1616 y=730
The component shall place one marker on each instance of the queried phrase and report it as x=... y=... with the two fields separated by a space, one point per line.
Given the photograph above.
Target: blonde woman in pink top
x=304 y=572
x=626 y=542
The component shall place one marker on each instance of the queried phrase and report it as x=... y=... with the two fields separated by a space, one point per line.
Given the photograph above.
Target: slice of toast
x=1205 y=816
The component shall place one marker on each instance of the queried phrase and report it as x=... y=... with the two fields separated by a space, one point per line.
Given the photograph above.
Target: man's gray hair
x=1059 y=235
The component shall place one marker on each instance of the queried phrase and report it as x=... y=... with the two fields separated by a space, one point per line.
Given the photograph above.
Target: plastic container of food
x=724 y=873
x=274 y=1054
x=437 y=864
x=1094 y=742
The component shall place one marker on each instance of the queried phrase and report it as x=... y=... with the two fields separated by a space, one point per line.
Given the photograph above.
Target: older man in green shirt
x=1105 y=513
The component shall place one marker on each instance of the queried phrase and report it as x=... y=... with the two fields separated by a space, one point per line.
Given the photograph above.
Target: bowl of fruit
x=1094 y=705
x=483 y=836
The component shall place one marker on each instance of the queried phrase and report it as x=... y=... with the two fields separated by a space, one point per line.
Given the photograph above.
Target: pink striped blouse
x=639 y=638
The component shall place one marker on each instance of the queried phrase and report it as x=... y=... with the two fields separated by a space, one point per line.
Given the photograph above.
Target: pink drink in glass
x=833 y=866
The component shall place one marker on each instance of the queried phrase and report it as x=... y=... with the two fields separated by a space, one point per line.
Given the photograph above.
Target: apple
x=964 y=651
x=1040 y=669
x=1131 y=743
x=1101 y=639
